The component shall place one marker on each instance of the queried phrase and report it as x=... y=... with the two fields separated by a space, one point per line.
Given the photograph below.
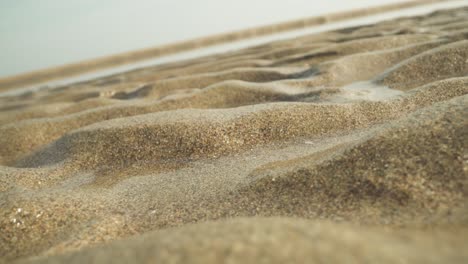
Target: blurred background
x=39 y=34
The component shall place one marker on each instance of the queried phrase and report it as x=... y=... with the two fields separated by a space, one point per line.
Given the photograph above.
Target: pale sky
x=38 y=34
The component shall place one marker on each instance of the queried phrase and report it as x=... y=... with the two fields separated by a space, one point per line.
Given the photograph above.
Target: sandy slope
x=343 y=147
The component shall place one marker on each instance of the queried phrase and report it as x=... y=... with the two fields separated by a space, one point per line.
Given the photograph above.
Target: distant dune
x=348 y=146
x=60 y=72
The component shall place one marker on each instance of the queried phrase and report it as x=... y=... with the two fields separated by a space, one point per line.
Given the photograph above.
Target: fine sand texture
x=347 y=146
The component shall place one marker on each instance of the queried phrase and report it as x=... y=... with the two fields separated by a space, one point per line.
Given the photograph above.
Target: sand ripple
x=334 y=147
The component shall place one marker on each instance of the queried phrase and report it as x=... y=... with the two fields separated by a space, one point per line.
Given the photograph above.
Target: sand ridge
x=345 y=146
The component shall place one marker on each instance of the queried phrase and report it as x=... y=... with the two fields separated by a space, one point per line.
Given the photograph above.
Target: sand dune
x=343 y=147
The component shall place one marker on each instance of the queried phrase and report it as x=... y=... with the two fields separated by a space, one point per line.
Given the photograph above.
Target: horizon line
x=99 y=63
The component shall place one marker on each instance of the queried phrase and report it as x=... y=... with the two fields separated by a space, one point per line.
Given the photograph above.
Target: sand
x=348 y=146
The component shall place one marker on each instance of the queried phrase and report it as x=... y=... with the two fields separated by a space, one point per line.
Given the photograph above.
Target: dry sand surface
x=347 y=146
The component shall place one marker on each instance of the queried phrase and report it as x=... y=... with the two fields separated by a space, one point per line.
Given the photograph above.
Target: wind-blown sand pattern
x=347 y=146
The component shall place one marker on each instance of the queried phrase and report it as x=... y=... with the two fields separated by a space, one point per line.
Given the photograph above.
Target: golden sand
x=348 y=146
